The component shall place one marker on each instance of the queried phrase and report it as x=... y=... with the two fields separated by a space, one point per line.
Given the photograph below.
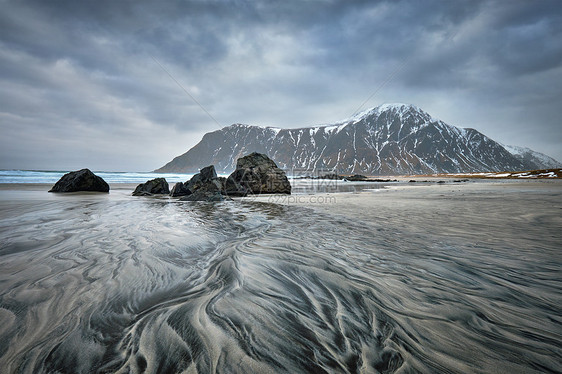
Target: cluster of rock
x=81 y=180
x=255 y=174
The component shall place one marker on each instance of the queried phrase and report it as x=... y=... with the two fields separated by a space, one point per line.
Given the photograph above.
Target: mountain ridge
x=525 y=154
x=388 y=139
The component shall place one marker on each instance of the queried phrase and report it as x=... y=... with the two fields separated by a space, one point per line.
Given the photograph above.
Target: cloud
x=82 y=76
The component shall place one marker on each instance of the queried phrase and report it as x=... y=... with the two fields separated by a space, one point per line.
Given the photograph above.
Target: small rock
x=204 y=186
x=179 y=189
x=203 y=178
x=205 y=195
x=208 y=173
x=152 y=187
x=81 y=180
x=357 y=178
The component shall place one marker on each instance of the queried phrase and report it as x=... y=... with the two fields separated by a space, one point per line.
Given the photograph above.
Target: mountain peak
x=395 y=108
x=390 y=106
x=399 y=108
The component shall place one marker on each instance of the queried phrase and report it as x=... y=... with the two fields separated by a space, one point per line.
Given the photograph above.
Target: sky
x=129 y=85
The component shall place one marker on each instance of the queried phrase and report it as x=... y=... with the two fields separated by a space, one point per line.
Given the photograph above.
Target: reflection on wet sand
x=414 y=280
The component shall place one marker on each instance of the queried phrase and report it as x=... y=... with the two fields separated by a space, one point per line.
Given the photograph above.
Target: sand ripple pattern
x=159 y=286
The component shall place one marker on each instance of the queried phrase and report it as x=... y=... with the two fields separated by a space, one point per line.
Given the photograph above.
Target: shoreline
x=399 y=182
x=47 y=186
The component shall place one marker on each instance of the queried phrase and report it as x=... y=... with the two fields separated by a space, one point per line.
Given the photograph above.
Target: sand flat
x=408 y=277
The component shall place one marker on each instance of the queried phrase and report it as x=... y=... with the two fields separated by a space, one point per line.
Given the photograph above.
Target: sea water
x=46 y=176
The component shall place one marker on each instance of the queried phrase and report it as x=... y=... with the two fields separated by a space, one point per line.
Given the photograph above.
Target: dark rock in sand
x=152 y=187
x=357 y=178
x=81 y=180
x=234 y=189
x=206 y=178
x=362 y=178
x=257 y=174
x=221 y=183
x=179 y=189
x=208 y=173
x=331 y=176
x=203 y=186
x=205 y=195
x=211 y=185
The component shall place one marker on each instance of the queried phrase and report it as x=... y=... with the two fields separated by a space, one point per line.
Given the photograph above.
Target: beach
x=456 y=277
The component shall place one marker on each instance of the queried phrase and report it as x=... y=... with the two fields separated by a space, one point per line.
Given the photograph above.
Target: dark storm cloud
x=83 y=74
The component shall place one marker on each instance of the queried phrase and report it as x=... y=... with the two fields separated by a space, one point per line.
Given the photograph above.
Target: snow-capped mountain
x=532 y=159
x=388 y=139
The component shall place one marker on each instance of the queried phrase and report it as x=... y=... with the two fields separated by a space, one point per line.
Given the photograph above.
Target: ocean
x=46 y=176
x=449 y=278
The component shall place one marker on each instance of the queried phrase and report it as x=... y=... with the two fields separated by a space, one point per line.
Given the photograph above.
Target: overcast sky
x=83 y=83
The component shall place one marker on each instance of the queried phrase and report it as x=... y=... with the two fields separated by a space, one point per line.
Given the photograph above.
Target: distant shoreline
x=527 y=174
x=342 y=187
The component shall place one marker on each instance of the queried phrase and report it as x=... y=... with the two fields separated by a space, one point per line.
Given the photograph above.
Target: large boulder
x=257 y=174
x=152 y=187
x=81 y=180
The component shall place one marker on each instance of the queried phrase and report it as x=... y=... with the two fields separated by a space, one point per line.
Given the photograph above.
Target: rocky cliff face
x=389 y=139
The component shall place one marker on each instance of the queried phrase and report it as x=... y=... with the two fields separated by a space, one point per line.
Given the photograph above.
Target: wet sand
x=456 y=278
x=474 y=210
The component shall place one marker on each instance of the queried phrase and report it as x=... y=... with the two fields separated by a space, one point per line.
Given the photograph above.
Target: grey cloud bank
x=80 y=86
